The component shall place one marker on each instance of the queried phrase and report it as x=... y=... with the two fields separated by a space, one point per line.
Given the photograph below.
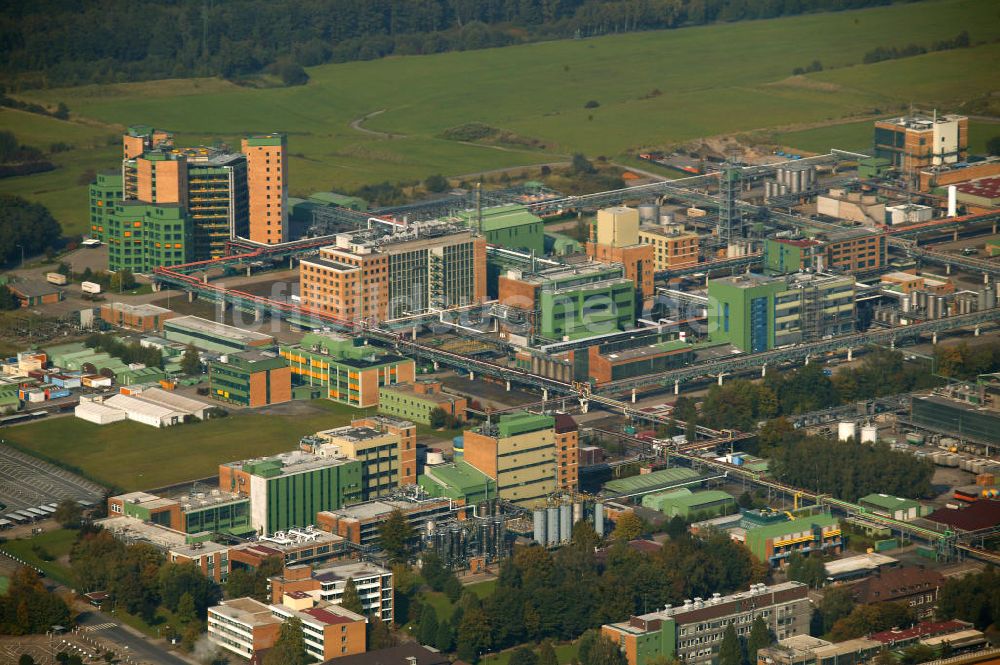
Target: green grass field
x=565 y=653
x=132 y=456
x=712 y=80
x=4 y=584
x=56 y=543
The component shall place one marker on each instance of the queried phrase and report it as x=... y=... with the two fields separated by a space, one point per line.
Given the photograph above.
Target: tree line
x=542 y=595
x=140 y=580
x=128 y=352
x=29 y=608
x=880 y=53
x=741 y=403
x=57 y=43
x=25 y=226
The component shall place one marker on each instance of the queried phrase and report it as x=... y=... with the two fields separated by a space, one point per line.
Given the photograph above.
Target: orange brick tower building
x=267 y=184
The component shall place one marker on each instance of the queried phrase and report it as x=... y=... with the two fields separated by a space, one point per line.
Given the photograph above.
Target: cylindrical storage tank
x=565 y=522
x=932 y=310
x=599 y=518
x=869 y=434
x=782 y=189
x=458 y=447
x=539 y=526
x=942 y=307
x=981 y=300
x=577 y=512
x=846 y=431
x=991 y=299
x=552 y=526
x=812 y=176
x=798 y=181
x=435 y=456
x=648 y=212
x=666 y=218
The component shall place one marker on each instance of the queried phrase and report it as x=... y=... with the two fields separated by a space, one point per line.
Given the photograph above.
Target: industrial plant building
x=518 y=451
x=773 y=536
x=916 y=141
x=755 y=312
x=673 y=246
x=344 y=369
x=509 y=226
x=614 y=238
x=250 y=378
x=415 y=401
x=693 y=632
x=581 y=299
x=210 y=335
x=287 y=490
x=850 y=250
x=394 y=270
x=386 y=447
x=359 y=523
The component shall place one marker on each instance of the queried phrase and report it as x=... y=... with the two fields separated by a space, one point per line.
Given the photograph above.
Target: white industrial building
x=170 y=400
x=98 y=413
x=145 y=412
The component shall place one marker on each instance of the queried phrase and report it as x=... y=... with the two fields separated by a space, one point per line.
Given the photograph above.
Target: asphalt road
x=104 y=626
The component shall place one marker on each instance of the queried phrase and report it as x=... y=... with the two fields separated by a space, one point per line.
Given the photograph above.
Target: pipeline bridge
x=885 y=336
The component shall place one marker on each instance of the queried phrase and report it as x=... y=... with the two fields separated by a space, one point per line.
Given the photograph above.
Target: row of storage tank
x=936 y=307
x=553 y=525
x=848 y=429
x=791 y=179
x=649 y=213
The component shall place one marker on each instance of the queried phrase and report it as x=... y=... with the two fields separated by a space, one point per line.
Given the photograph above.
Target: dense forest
x=57 y=42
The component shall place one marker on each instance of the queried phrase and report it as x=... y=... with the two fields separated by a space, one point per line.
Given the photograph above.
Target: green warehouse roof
x=686 y=498
x=651 y=481
x=519 y=423
x=502 y=217
x=889 y=502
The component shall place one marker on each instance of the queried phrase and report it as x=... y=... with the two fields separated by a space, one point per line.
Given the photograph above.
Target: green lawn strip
x=55 y=544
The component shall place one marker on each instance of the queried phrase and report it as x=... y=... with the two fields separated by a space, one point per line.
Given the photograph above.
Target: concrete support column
x=677 y=387
x=437 y=365
x=291 y=262
x=508 y=385
x=204 y=278
x=258 y=315
x=472 y=375
x=633 y=395
x=190 y=296
x=413 y=333
x=954 y=236
x=977 y=331
x=248 y=271
x=850 y=355
x=720 y=379
x=933 y=338
x=986 y=278
x=892 y=344
x=807 y=360
x=763 y=370
x=947 y=269
x=545 y=394
x=584 y=405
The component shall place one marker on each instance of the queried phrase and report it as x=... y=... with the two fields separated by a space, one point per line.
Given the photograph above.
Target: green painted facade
x=143 y=236
x=230 y=381
x=515 y=424
x=510 y=226
x=739 y=312
x=105 y=192
x=232 y=517
x=781 y=258
x=293 y=499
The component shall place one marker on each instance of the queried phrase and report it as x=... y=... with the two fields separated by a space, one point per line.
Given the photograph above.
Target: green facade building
x=286 y=491
x=144 y=236
x=105 y=192
x=233 y=380
x=687 y=504
x=510 y=226
x=755 y=313
x=459 y=481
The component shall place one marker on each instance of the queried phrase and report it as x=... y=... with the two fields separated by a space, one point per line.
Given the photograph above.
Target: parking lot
x=27 y=482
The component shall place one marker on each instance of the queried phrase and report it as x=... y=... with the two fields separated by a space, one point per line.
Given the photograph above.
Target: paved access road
x=101 y=625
